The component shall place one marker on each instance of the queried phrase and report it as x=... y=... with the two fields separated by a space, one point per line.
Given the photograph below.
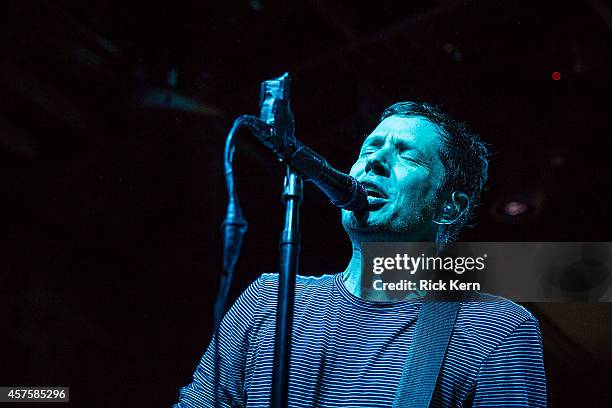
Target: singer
x=424 y=173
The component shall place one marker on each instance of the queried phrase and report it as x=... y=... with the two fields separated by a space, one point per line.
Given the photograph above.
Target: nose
x=377 y=163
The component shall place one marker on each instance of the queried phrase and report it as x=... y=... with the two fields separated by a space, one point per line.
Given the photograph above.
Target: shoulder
x=488 y=309
x=485 y=322
x=305 y=286
x=271 y=279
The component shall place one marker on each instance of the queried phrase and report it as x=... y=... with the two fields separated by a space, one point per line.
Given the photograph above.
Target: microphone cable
x=233 y=229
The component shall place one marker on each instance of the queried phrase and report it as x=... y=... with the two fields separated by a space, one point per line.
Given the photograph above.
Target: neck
x=353 y=279
x=352 y=274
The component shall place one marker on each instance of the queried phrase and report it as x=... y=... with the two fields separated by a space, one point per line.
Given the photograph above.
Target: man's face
x=401 y=169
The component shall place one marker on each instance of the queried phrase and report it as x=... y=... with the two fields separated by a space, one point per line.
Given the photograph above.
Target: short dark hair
x=464 y=156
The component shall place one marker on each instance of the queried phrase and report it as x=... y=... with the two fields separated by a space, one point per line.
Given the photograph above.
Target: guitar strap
x=425 y=355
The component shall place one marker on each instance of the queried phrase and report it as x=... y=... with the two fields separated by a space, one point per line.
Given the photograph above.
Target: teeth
x=374 y=192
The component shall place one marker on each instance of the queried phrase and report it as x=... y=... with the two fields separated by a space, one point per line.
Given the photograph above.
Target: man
x=424 y=173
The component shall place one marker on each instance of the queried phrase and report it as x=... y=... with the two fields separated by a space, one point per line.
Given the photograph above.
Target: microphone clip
x=275 y=110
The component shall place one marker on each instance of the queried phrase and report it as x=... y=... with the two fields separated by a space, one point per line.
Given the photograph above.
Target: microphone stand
x=276 y=130
x=289 y=254
x=275 y=112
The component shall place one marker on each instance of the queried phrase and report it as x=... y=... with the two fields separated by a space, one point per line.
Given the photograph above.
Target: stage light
x=514 y=208
x=517 y=207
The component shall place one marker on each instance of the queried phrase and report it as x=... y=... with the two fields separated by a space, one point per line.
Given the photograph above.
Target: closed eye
x=368 y=151
x=411 y=159
x=416 y=161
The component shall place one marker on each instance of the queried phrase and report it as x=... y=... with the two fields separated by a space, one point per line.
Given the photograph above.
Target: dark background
x=112 y=123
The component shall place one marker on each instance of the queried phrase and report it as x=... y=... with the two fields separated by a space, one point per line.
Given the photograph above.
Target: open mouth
x=376 y=196
x=373 y=190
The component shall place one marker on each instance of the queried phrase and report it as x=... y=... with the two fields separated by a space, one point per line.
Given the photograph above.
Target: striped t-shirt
x=349 y=352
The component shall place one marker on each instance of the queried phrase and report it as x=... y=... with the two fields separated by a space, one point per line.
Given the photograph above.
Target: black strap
x=425 y=354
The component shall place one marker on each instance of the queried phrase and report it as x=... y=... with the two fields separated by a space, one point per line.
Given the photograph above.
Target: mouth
x=374 y=190
x=376 y=195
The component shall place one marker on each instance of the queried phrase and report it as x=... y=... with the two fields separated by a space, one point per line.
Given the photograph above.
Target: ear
x=452 y=209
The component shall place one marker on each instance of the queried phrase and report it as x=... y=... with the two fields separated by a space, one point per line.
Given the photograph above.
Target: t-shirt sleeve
x=233 y=342
x=513 y=374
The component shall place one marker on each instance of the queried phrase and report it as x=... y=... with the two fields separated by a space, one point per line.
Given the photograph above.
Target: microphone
x=276 y=130
x=341 y=189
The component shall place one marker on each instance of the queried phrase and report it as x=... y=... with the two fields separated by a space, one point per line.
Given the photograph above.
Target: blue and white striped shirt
x=349 y=352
